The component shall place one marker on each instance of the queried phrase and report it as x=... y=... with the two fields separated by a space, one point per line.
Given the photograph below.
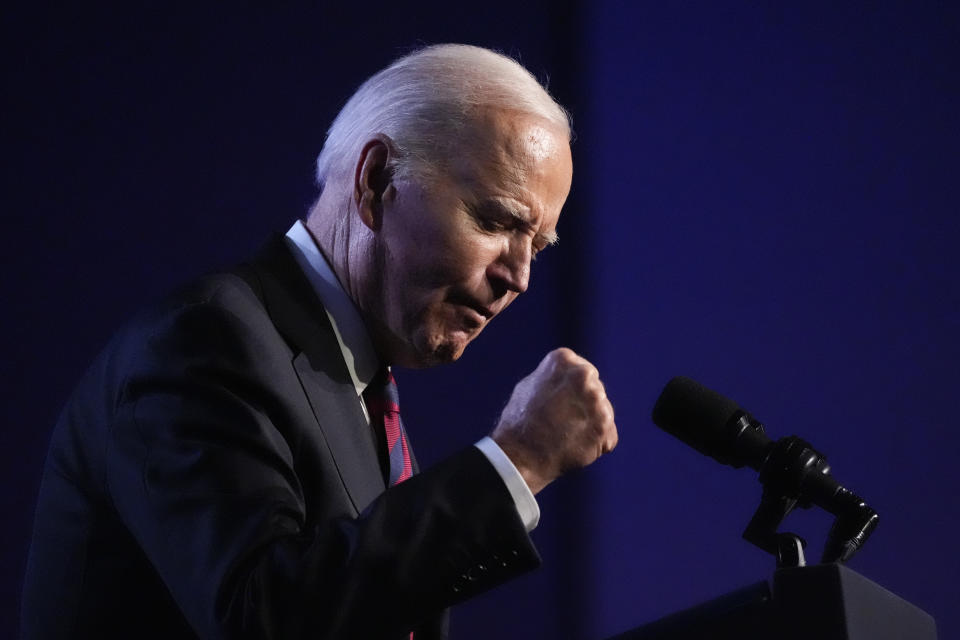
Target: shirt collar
x=348 y=326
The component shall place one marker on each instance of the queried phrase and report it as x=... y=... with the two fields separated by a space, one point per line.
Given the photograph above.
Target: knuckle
x=564 y=356
x=598 y=397
x=581 y=376
x=595 y=403
x=608 y=412
x=552 y=362
x=599 y=429
x=566 y=352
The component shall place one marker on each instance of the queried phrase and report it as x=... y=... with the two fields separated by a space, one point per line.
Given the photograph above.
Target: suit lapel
x=301 y=319
x=349 y=437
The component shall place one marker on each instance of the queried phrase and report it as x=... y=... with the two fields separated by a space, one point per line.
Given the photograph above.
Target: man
x=222 y=471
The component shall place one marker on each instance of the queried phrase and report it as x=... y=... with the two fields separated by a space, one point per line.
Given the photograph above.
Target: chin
x=437 y=350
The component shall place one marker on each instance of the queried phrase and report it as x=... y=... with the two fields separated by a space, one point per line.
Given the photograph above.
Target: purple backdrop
x=764 y=199
x=773 y=195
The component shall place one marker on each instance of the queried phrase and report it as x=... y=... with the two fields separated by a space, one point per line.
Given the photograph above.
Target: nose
x=511 y=270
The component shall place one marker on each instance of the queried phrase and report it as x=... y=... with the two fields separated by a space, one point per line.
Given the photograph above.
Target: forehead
x=517 y=160
x=510 y=136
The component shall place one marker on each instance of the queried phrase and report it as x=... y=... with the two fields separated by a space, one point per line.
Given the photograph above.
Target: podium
x=818 y=602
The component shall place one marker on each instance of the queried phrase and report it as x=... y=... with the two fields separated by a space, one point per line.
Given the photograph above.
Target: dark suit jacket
x=213 y=475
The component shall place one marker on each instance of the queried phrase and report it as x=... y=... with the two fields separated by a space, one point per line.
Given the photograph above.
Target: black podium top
x=820 y=602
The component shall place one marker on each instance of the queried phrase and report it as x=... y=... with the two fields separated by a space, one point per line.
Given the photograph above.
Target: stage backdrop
x=773 y=205
x=764 y=200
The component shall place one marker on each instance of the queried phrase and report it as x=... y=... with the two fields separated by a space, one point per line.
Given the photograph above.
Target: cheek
x=453 y=259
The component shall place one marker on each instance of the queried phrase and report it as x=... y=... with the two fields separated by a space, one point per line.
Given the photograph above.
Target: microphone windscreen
x=698 y=416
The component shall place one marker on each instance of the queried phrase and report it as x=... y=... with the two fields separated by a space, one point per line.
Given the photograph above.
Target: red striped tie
x=383 y=404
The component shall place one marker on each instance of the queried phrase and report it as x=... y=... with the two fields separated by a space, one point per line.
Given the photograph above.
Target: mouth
x=486 y=312
x=478 y=312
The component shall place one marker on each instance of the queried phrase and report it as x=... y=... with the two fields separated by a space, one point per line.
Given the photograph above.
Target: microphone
x=791 y=470
x=710 y=423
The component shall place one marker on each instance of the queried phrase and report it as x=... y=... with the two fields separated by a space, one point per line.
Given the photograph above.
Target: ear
x=373 y=179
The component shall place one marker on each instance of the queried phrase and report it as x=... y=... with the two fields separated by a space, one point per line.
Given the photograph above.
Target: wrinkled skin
x=453 y=251
x=431 y=261
x=558 y=419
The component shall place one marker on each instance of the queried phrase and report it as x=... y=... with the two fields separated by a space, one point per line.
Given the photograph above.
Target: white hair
x=425 y=101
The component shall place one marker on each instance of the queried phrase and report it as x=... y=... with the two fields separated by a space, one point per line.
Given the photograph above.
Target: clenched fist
x=558 y=419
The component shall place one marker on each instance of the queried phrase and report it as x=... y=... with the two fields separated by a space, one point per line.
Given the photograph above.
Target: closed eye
x=493 y=217
x=494 y=224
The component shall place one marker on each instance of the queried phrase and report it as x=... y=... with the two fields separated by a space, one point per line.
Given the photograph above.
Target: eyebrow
x=507 y=206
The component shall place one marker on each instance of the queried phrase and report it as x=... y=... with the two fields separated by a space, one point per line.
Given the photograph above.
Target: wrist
x=527 y=468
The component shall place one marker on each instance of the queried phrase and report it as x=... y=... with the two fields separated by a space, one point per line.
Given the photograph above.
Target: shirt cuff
x=527 y=507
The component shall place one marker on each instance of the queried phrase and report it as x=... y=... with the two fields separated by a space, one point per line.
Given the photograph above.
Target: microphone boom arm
x=794 y=474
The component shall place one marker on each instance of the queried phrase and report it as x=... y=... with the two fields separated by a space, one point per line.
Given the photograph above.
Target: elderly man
x=234 y=466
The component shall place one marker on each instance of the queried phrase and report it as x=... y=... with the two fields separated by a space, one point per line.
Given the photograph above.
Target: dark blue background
x=765 y=199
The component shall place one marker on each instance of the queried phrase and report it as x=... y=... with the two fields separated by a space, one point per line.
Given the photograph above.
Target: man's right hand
x=558 y=419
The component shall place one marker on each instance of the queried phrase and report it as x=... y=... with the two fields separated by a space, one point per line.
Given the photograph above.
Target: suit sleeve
x=205 y=471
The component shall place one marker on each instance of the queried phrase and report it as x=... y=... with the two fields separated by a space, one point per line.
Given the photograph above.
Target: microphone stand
x=827 y=601
x=794 y=474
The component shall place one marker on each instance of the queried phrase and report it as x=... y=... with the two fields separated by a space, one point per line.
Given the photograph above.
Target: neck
x=349 y=248
x=332 y=228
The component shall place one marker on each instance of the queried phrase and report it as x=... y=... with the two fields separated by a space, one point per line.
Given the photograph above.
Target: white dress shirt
x=363 y=364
